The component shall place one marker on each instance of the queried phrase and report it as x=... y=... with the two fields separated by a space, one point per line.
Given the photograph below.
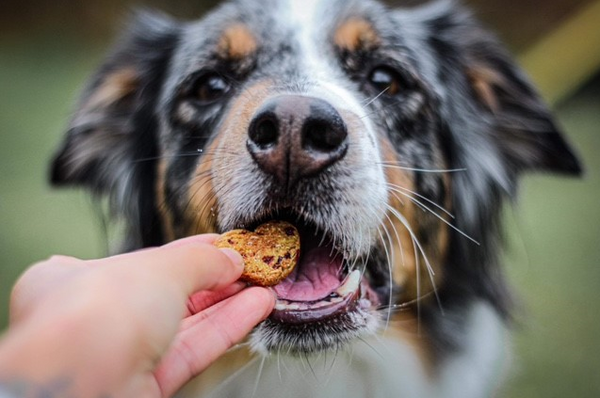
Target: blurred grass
x=555 y=250
x=39 y=80
x=555 y=267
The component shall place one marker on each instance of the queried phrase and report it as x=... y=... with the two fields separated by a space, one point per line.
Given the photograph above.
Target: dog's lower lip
x=348 y=288
x=313 y=311
x=344 y=299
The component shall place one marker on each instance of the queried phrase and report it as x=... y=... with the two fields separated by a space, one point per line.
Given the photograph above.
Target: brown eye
x=211 y=87
x=385 y=79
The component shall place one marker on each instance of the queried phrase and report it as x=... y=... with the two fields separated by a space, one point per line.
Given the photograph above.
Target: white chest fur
x=376 y=367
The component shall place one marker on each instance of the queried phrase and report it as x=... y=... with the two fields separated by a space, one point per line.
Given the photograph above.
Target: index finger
x=192 y=264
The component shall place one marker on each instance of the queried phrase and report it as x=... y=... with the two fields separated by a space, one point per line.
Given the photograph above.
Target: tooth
x=286 y=305
x=351 y=284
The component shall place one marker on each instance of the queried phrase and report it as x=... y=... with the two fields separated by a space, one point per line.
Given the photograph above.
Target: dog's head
x=388 y=137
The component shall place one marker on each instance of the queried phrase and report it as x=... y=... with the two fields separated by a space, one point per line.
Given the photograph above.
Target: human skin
x=137 y=324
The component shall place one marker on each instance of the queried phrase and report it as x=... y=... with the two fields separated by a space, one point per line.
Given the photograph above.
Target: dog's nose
x=292 y=137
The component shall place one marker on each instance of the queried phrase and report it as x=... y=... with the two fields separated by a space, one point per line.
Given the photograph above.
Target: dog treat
x=270 y=252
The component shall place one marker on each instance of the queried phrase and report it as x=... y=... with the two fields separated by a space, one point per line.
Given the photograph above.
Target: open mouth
x=327 y=294
x=322 y=285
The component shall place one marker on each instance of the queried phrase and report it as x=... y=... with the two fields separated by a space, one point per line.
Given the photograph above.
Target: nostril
x=292 y=137
x=264 y=131
x=324 y=135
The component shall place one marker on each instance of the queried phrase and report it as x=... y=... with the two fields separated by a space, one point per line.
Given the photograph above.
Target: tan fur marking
x=237 y=42
x=228 y=143
x=241 y=112
x=115 y=87
x=356 y=34
x=165 y=215
x=444 y=232
x=403 y=261
x=202 y=196
x=483 y=80
x=416 y=281
x=404 y=325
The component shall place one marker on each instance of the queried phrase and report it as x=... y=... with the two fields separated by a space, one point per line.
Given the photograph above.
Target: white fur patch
x=382 y=367
x=375 y=367
x=480 y=367
x=306 y=18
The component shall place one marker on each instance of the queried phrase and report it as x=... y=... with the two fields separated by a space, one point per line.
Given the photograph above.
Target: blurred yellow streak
x=568 y=56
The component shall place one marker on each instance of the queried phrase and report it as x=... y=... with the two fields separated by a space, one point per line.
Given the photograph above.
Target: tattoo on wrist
x=21 y=388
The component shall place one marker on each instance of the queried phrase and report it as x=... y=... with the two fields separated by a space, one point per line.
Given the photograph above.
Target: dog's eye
x=385 y=79
x=211 y=87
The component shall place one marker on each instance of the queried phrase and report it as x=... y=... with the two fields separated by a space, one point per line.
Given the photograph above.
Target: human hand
x=138 y=324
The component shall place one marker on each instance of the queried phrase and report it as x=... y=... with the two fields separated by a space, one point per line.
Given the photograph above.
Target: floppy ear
x=493 y=127
x=113 y=131
x=504 y=100
x=116 y=107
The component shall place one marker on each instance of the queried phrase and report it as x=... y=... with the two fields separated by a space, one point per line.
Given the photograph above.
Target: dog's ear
x=493 y=126
x=114 y=118
x=111 y=146
x=476 y=67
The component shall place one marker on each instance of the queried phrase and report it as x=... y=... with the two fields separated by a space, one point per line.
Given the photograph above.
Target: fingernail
x=204 y=238
x=235 y=257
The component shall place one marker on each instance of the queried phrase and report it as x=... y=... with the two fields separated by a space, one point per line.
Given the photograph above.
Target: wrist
x=27 y=367
x=58 y=355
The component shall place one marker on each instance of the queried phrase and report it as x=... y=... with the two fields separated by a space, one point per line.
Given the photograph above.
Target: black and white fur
x=484 y=137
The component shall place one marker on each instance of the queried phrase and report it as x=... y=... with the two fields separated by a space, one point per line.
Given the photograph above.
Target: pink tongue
x=314 y=278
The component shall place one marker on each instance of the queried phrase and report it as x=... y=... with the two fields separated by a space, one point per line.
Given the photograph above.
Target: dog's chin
x=327 y=300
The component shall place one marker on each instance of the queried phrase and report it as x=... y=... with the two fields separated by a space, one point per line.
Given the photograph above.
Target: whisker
x=390 y=265
x=329 y=371
x=429 y=268
x=235 y=374
x=279 y=366
x=396 y=166
x=393 y=192
x=406 y=304
x=371 y=347
x=260 y=370
x=376 y=97
x=418 y=277
x=438 y=216
x=395 y=103
x=178 y=155
x=422 y=197
x=310 y=366
x=399 y=240
x=390 y=269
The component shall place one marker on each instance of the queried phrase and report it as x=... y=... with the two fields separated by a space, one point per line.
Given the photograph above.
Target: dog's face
x=388 y=137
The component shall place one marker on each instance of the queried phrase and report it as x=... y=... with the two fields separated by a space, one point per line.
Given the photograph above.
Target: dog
x=389 y=137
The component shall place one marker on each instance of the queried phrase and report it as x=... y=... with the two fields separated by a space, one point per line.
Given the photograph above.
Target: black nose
x=292 y=137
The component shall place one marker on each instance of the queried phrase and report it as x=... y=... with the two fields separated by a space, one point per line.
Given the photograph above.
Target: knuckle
x=60 y=259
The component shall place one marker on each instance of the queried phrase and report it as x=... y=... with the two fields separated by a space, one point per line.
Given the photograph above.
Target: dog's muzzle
x=298 y=144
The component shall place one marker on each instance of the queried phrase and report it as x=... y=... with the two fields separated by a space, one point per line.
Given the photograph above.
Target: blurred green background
x=47 y=49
